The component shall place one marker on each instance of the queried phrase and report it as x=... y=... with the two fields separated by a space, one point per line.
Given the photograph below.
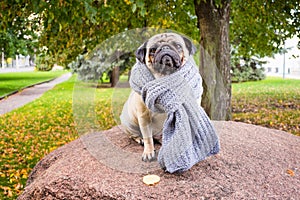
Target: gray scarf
x=188 y=135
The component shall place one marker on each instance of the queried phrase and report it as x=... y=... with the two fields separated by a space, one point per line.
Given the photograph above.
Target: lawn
x=63 y=113
x=30 y=132
x=10 y=82
x=273 y=103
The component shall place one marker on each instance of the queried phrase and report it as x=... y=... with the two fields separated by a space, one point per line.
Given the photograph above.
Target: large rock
x=254 y=163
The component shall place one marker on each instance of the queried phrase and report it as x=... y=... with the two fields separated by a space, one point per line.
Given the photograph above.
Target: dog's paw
x=139 y=140
x=149 y=156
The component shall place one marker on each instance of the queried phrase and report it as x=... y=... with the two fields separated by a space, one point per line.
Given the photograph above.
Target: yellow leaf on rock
x=290 y=172
x=151 y=179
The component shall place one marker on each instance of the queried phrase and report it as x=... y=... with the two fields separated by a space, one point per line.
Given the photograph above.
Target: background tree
x=213 y=22
x=68 y=28
x=141 y=14
x=17 y=25
x=259 y=28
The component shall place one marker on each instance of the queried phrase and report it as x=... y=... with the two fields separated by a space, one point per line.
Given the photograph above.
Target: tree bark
x=115 y=76
x=213 y=22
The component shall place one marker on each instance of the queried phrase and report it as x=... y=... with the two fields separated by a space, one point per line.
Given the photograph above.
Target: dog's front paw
x=149 y=156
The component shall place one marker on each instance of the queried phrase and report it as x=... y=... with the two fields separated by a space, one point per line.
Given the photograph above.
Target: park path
x=29 y=94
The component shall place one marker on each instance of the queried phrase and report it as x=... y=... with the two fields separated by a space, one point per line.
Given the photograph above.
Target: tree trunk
x=213 y=22
x=115 y=76
x=129 y=74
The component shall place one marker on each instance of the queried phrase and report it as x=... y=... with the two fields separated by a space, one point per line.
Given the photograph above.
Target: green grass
x=63 y=113
x=273 y=103
x=34 y=130
x=30 y=132
x=10 y=82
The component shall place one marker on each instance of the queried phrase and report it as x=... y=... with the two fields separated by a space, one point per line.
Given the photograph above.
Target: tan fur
x=149 y=122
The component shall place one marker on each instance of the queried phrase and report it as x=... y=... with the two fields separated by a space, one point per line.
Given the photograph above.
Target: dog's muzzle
x=166 y=60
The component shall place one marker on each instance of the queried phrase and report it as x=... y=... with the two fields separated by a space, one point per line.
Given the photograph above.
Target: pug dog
x=163 y=54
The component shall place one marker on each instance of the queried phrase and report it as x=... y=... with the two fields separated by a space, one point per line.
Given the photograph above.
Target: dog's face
x=165 y=53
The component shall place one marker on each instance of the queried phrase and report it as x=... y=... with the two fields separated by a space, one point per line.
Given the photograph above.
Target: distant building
x=19 y=61
x=285 y=65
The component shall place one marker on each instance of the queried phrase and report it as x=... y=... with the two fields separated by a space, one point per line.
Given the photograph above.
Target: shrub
x=247 y=70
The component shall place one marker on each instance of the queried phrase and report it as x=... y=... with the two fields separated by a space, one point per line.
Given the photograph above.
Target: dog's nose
x=165 y=47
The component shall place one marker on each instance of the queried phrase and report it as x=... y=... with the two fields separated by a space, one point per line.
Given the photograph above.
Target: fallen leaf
x=290 y=172
x=151 y=179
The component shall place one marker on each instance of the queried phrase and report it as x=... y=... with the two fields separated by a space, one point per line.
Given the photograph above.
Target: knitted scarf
x=188 y=135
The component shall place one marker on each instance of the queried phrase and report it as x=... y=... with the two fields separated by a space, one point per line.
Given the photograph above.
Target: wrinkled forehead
x=165 y=37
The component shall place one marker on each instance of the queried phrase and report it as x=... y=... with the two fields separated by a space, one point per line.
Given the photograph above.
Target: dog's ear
x=140 y=53
x=189 y=45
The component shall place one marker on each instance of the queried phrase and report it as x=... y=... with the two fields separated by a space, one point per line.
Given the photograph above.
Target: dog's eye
x=152 y=50
x=178 y=46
